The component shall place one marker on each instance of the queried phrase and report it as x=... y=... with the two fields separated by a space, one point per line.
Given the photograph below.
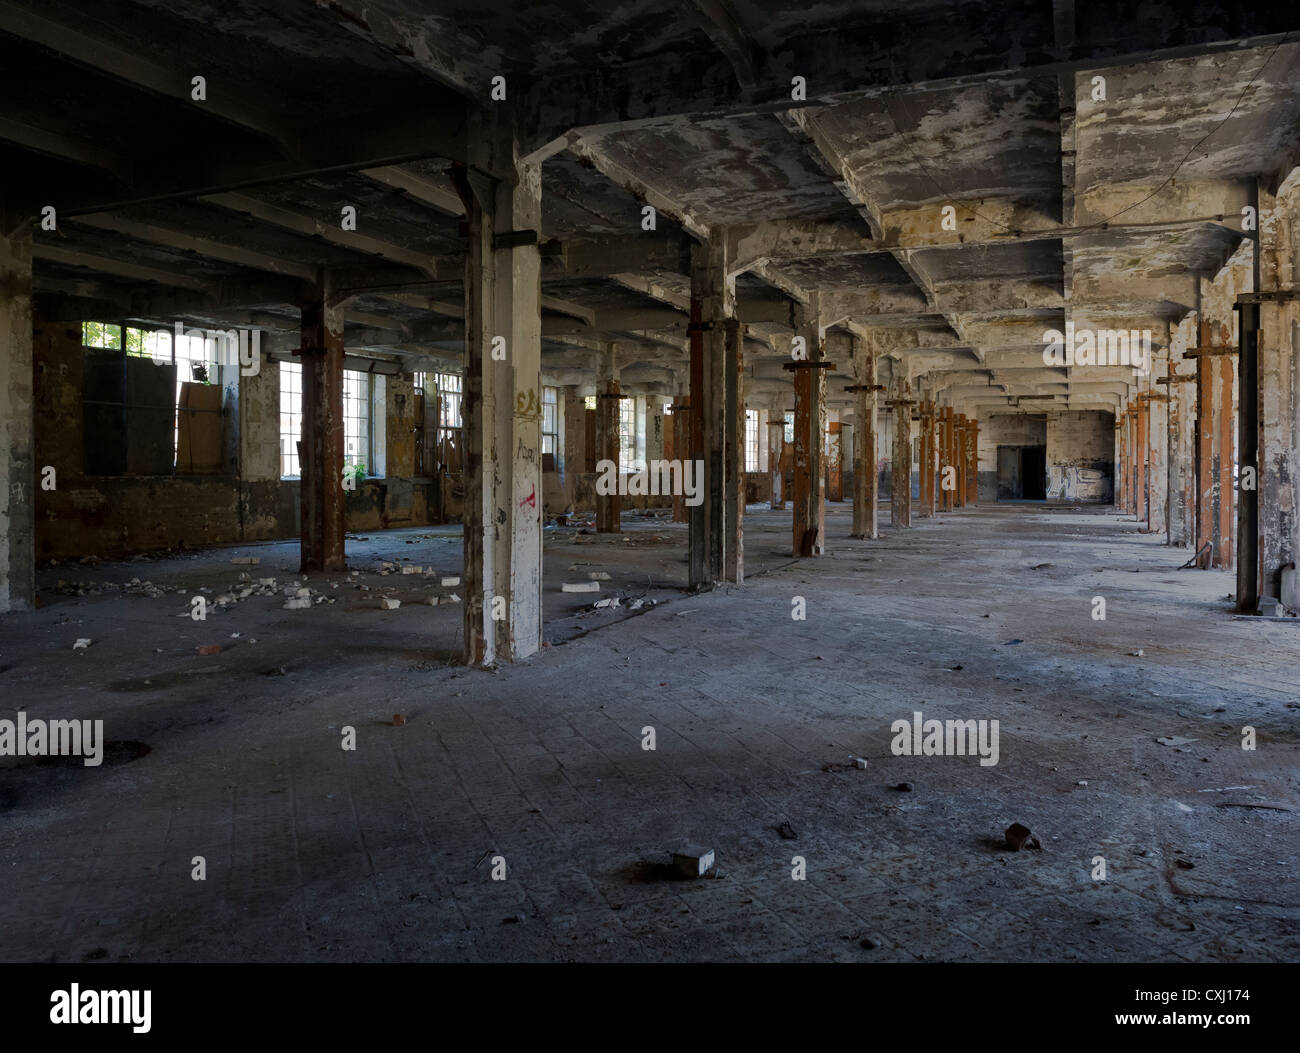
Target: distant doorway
x=1022 y=473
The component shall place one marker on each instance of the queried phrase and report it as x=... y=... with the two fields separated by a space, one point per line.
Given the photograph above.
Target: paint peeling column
x=609 y=507
x=17 y=468
x=865 y=477
x=972 y=461
x=733 y=472
x=677 y=447
x=1278 y=342
x=321 y=451
x=809 y=498
x=713 y=302
x=900 y=491
x=775 y=453
x=927 y=503
x=502 y=410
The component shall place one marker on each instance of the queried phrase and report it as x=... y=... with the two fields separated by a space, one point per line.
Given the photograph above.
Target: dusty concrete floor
x=314 y=853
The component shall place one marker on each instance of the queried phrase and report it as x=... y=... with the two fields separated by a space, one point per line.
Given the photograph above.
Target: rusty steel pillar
x=320 y=452
x=959 y=459
x=866 y=475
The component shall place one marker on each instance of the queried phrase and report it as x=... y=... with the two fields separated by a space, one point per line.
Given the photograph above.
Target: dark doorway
x=1022 y=473
x=1033 y=472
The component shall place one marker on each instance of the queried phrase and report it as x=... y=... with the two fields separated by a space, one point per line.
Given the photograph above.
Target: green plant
x=358 y=472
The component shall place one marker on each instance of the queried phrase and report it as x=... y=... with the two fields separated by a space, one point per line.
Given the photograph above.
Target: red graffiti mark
x=531 y=499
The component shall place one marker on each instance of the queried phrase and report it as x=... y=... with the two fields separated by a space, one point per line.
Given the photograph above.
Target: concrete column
x=609 y=507
x=1204 y=432
x=775 y=450
x=713 y=302
x=1224 y=450
x=947 y=446
x=959 y=458
x=1278 y=341
x=972 y=489
x=900 y=492
x=320 y=453
x=502 y=410
x=680 y=429
x=809 y=529
x=1140 y=461
x=928 y=457
x=865 y=480
x=17 y=467
x=733 y=472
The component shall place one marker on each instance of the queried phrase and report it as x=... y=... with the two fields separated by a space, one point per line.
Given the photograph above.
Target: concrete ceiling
x=1065 y=206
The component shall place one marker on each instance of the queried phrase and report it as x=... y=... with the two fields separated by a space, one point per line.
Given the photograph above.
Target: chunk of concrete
x=452 y=582
x=580 y=586
x=1019 y=836
x=297 y=603
x=412 y=568
x=388 y=603
x=693 y=861
x=598 y=575
x=247 y=561
x=81 y=644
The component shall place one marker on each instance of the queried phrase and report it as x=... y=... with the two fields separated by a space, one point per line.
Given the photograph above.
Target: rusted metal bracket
x=864 y=387
x=1275 y=296
x=808 y=365
x=1209 y=351
x=1176 y=378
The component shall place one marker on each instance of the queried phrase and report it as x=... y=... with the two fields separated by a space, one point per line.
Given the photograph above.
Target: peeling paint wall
x=117 y=515
x=1080 y=456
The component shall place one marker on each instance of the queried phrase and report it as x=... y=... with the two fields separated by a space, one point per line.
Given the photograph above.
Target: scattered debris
x=1019 y=836
x=453 y=598
x=580 y=586
x=787 y=831
x=1082 y=782
x=868 y=944
x=247 y=561
x=608 y=601
x=412 y=568
x=693 y=861
x=1012 y=643
x=598 y=575
x=297 y=603
x=210 y=648
x=902 y=787
x=451 y=582
x=1042 y=566
x=1174 y=740
x=1271 y=806
x=860 y=763
x=398 y=720
x=81 y=644
x=1183 y=864
x=1139 y=653
x=387 y=603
